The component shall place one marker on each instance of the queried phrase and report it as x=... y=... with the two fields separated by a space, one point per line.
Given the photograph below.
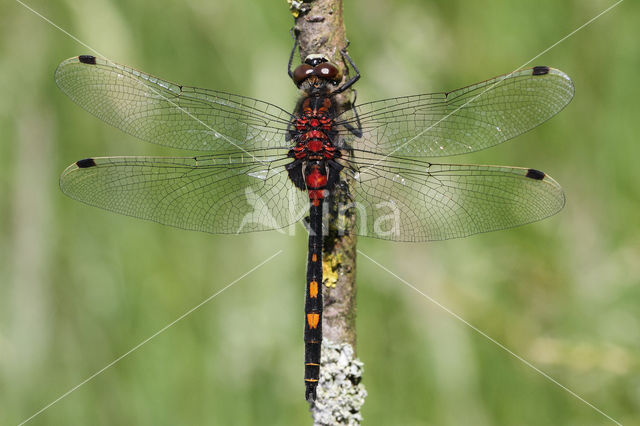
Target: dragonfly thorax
x=314 y=167
x=314 y=130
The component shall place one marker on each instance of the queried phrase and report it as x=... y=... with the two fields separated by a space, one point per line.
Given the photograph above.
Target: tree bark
x=319 y=29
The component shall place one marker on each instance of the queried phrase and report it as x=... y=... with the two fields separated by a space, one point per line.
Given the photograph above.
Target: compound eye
x=328 y=71
x=302 y=72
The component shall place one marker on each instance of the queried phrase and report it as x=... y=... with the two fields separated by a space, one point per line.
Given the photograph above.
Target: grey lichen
x=341 y=394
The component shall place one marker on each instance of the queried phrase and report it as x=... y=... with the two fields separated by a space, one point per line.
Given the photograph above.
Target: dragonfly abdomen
x=313 y=296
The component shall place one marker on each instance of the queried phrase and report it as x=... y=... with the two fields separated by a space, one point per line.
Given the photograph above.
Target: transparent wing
x=213 y=193
x=462 y=121
x=408 y=200
x=169 y=114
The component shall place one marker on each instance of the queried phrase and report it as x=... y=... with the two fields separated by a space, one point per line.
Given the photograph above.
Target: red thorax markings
x=313 y=143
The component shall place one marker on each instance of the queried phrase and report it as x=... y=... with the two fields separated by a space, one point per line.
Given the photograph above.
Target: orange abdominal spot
x=313 y=320
x=314 y=257
x=313 y=289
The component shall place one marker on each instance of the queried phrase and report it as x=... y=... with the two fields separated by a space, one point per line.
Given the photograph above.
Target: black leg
x=347 y=123
x=355 y=131
x=293 y=51
x=355 y=78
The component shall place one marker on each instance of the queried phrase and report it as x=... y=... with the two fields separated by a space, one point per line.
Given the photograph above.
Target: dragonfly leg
x=357 y=129
x=293 y=52
x=353 y=79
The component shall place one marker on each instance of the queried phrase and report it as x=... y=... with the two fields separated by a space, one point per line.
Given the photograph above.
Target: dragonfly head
x=317 y=75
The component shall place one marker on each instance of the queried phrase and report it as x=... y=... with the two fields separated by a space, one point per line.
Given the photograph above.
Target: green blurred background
x=80 y=286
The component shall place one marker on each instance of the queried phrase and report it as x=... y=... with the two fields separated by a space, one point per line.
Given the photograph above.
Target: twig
x=319 y=29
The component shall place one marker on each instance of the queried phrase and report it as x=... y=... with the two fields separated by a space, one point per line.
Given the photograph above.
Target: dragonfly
x=263 y=167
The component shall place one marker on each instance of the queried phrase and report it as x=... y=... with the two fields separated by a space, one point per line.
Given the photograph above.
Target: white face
x=315 y=58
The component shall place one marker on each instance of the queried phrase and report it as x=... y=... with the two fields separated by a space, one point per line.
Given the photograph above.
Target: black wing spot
x=535 y=174
x=87 y=162
x=540 y=70
x=87 y=59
